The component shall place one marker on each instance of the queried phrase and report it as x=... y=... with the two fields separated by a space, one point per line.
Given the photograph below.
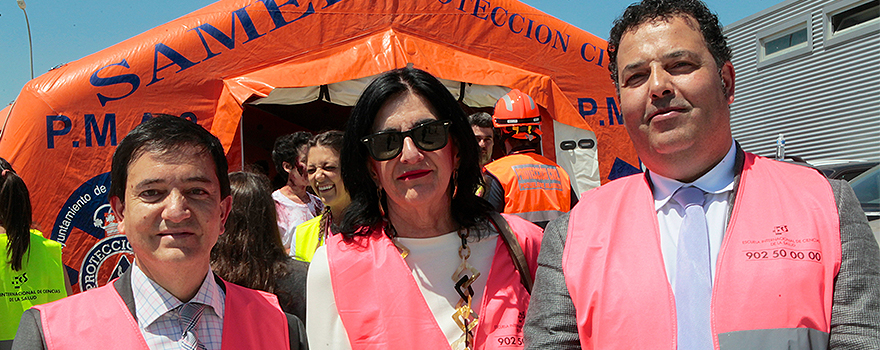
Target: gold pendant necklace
x=464 y=315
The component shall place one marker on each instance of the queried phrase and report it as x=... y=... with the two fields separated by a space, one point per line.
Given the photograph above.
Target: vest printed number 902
x=510 y=341
x=783 y=254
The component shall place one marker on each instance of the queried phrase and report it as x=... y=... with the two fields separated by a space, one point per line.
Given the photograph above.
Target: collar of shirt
x=718 y=180
x=152 y=301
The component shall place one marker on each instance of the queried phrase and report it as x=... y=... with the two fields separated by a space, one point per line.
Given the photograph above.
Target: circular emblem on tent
x=94 y=252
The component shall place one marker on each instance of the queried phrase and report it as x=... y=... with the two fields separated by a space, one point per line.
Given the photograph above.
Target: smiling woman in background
x=322 y=166
x=411 y=266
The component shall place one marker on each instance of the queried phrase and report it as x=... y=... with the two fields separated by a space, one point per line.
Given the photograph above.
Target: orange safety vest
x=535 y=188
x=99 y=318
x=381 y=306
x=775 y=272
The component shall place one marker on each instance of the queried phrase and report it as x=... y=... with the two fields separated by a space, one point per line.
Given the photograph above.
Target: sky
x=65 y=31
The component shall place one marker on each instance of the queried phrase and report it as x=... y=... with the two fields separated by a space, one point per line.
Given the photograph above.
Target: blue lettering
x=175 y=57
x=495 y=18
x=584 y=52
x=538 y=34
x=278 y=18
x=585 y=113
x=189 y=115
x=564 y=41
x=529 y=31
x=101 y=136
x=51 y=132
x=329 y=3
x=510 y=22
x=131 y=79
x=228 y=40
x=444 y=2
x=613 y=112
x=461 y=6
x=481 y=9
x=601 y=55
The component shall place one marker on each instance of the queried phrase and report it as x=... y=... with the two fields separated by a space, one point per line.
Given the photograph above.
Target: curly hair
x=287 y=149
x=249 y=252
x=468 y=209
x=15 y=214
x=648 y=10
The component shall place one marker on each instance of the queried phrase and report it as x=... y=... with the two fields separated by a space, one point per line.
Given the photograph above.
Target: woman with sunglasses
x=420 y=262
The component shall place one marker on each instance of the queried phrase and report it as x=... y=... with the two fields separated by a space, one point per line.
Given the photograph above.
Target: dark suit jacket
x=30 y=329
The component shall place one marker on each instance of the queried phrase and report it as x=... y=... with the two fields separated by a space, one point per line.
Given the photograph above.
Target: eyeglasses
x=427 y=137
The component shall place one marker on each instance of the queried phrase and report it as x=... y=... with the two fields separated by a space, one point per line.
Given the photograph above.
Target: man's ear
x=118 y=207
x=728 y=78
x=225 y=208
x=286 y=166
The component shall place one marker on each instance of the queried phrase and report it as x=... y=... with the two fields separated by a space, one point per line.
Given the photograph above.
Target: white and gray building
x=809 y=69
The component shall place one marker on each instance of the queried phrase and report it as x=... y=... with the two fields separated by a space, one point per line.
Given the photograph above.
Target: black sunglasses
x=429 y=136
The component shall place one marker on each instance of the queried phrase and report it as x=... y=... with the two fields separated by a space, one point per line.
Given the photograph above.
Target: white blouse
x=432 y=262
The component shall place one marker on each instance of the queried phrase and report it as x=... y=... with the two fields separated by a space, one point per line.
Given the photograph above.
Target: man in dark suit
x=712 y=247
x=170 y=189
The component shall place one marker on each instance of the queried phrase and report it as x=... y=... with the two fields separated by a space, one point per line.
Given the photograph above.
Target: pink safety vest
x=381 y=306
x=99 y=318
x=776 y=268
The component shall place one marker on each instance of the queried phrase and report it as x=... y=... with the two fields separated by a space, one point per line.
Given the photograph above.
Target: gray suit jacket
x=855 y=314
x=30 y=329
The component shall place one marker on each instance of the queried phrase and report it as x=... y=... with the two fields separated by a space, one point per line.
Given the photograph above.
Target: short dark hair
x=15 y=215
x=647 y=10
x=287 y=148
x=483 y=120
x=165 y=134
x=468 y=209
x=331 y=139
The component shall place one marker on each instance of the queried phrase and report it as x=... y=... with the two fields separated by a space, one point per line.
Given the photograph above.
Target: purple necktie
x=693 y=281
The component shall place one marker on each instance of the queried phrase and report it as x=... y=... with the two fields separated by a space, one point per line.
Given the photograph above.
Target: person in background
x=31 y=272
x=294 y=204
x=484 y=131
x=712 y=247
x=535 y=188
x=325 y=177
x=411 y=266
x=249 y=253
x=170 y=189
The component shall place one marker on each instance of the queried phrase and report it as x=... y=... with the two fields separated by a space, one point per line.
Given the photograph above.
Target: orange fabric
x=532 y=184
x=99 y=318
x=64 y=125
x=757 y=285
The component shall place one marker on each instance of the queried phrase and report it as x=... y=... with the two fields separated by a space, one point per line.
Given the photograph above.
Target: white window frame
x=832 y=39
x=775 y=32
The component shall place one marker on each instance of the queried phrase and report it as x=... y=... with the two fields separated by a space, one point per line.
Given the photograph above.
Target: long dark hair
x=468 y=209
x=249 y=252
x=15 y=214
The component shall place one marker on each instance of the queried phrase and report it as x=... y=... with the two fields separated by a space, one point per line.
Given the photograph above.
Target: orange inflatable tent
x=252 y=70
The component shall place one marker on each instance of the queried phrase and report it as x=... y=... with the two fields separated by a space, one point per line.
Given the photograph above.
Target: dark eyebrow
x=671 y=55
x=417 y=124
x=148 y=182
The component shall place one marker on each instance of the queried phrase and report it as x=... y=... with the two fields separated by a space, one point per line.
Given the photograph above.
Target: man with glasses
x=535 y=188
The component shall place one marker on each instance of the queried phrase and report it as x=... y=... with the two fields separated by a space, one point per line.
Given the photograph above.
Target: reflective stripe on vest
x=99 y=318
x=382 y=307
x=39 y=281
x=307 y=239
x=775 y=275
x=532 y=184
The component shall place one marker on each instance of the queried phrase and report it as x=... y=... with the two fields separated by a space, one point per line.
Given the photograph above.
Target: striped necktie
x=693 y=281
x=190 y=313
